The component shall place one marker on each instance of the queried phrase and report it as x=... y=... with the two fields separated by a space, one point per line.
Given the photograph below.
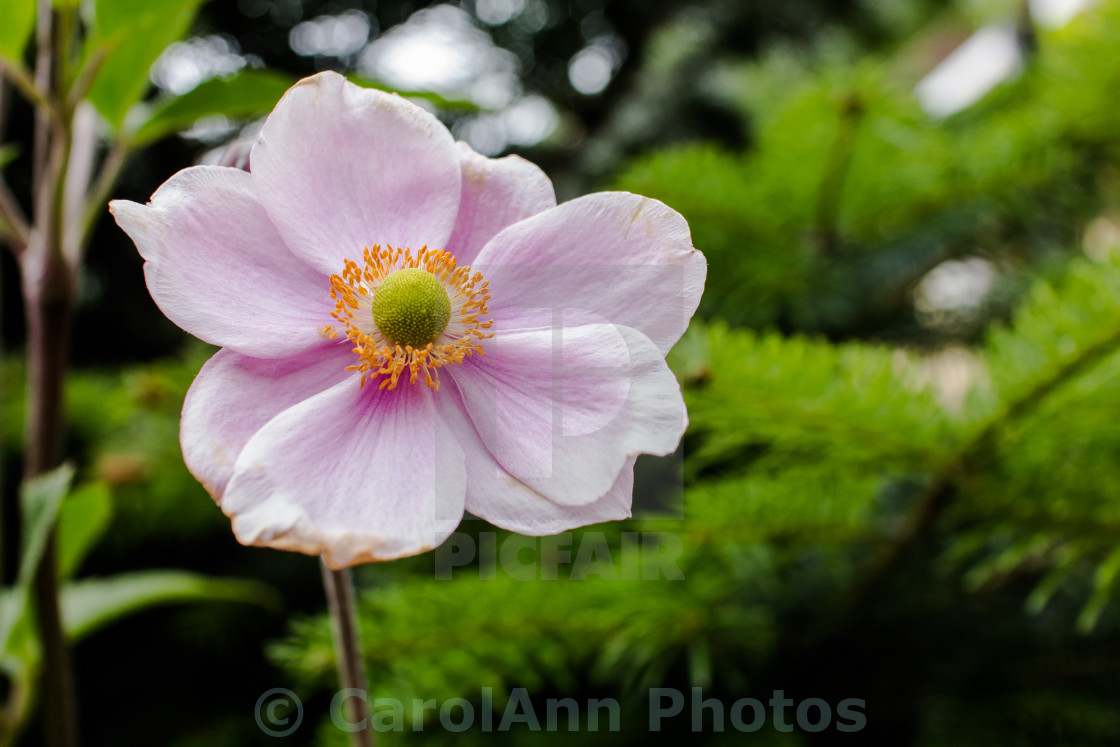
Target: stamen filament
x=353 y=293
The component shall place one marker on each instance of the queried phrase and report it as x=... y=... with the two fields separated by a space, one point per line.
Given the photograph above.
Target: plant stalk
x=48 y=294
x=339 y=586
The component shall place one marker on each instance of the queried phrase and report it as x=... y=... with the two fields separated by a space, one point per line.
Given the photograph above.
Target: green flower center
x=411 y=308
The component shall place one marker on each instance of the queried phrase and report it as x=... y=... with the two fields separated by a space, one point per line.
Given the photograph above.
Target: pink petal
x=217 y=268
x=497 y=192
x=339 y=168
x=355 y=475
x=503 y=500
x=564 y=421
x=623 y=257
x=234 y=395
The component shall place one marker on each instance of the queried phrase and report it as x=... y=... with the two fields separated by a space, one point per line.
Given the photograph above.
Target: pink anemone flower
x=410 y=330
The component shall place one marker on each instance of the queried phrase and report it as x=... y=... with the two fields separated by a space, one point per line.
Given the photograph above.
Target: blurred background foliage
x=902 y=475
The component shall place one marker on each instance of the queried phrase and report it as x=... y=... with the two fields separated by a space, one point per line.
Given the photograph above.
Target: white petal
x=626 y=258
x=497 y=192
x=340 y=168
x=217 y=268
x=354 y=475
x=234 y=395
x=503 y=500
x=562 y=410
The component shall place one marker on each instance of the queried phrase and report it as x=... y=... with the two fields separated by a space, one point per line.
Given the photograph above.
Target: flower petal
x=355 y=475
x=217 y=268
x=234 y=395
x=497 y=192
x=504 y=501
x=563 y=409
x=624 y=257
x=339 y=168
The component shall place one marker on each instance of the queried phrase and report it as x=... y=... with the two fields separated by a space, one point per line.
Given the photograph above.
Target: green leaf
x=19 y=647
x=434 y=98
x=82 y=520
x=40 y=499
x=799 y=397
x=813 y=502
x=1076 y=319
x=133 y=34
x=1103 y=580
x=1045 y=590
x=246 y=94
x=19 y=20
x=91 y=604
x=8 y=153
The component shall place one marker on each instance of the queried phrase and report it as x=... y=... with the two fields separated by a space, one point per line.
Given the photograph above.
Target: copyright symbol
x=278 y=712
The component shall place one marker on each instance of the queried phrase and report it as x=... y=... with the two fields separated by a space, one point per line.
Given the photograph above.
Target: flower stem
x=339 y=586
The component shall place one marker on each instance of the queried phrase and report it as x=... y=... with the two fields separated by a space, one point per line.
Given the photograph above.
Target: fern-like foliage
x=847 y=525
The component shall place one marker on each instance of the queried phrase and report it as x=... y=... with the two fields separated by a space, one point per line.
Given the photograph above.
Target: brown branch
x=942 y=490
x=48 y=291
x=83 y=153
x=98 y=196
x=3 y=106
x=48 y=300
x=19 y=231
x=28 y=87
x=85 y=79
x=837 y=167
x=44 y=77
x=10 y=210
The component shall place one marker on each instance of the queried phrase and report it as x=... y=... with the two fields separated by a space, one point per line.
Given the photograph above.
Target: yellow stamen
x=353 y=293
